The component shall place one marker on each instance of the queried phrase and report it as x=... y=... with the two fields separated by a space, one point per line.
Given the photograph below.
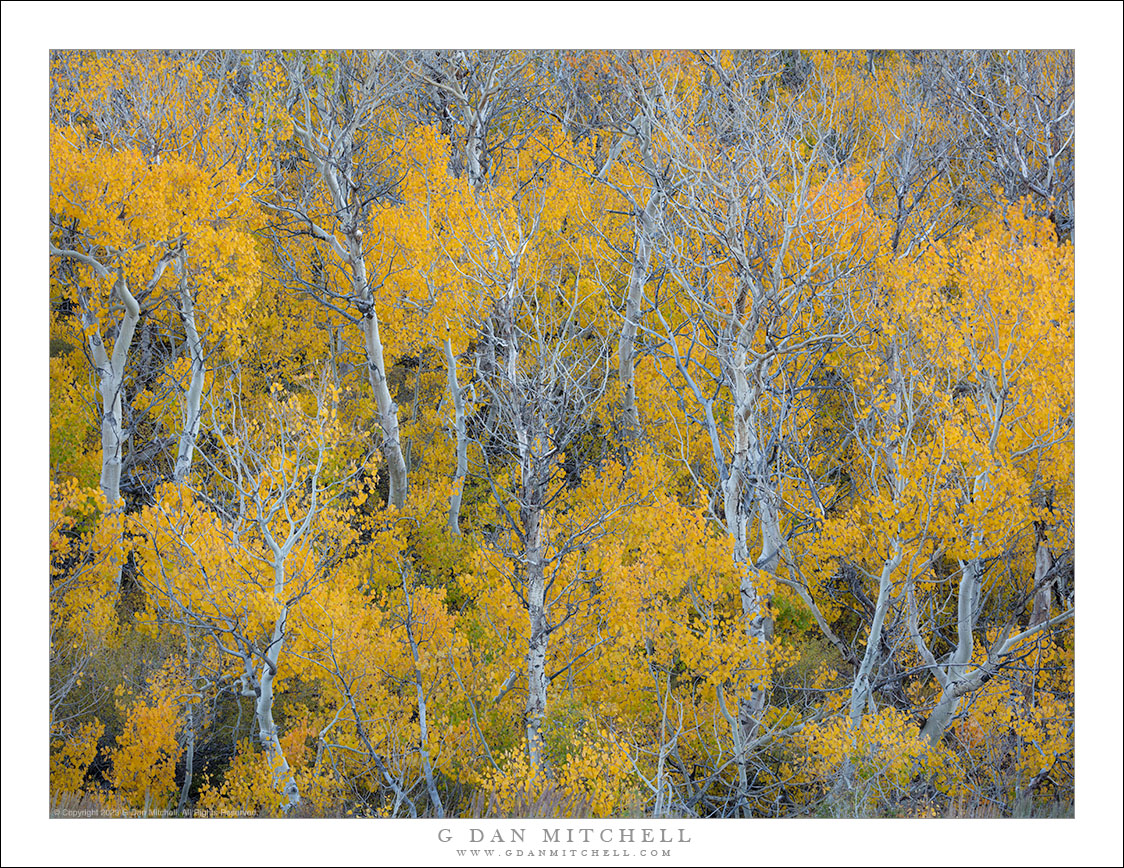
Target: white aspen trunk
x=423 y=739
x=111 y=387
x=862 y=696
x=376 y=374
x=767 y=502
x=462 y=441
x=189 y=748
x=283 y=778
x=1043 y=602
x=334 y=163
x=193 y=397
x=477 y=143
x=659 y=809
x=423 y=726
x=957 y=681
x=759 y=629
x=747 y=487
x=537 y=644
x=756 y=606
x=1043 y=586
x=861 y=690
x=957 y=670
x=531 y=496
x=626 y=349
x=110 y=369
x=941 y=716
x=387 y=409
x=487 y=363
x=954 y=684
x=189 y=760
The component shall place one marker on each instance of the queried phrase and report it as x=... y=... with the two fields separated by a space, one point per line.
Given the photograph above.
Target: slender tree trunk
x=189 y=760
x=111 y=387
x=537 y=644
x=1043 y=583
x=376 y=372
x=626 y=347
x=532 y=494
x=747 y=488
x=332 y=152
x=861 y=690
x=283 y=777
x=423 y=741
x=477 y=143
x=387 y=410
x=967 y=601
x=194 y=395
x=189 y=749
x=462 y=440
x=741 y=750
x=423 y=726
x=957 y=680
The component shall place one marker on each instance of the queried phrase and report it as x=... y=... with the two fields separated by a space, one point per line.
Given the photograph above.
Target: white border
x=1094 y=29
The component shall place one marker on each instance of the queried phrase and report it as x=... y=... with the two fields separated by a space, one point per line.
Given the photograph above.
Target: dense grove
x=651 y=434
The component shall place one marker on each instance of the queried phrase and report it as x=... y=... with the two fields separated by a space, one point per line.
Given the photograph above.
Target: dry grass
x=1022 y=809
x=86 y=806
x=550 y=804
